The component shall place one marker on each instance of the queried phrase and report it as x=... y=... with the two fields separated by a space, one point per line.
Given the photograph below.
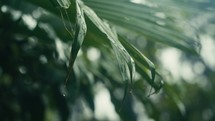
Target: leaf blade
x=80 y=32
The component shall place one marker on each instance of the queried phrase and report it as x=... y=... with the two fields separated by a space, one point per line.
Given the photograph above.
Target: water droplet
x=64 y=90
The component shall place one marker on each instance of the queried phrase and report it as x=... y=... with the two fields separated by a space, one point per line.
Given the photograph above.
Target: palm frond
x=144 y=21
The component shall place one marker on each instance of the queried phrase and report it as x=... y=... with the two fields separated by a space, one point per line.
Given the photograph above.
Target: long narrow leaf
x=126 y=63
x=80 y=32
x=142 y=63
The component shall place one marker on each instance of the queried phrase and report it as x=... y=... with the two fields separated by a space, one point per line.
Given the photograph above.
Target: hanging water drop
x=63 y=90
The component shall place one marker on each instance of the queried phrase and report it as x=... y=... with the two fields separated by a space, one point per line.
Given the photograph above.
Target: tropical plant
x=55 y=53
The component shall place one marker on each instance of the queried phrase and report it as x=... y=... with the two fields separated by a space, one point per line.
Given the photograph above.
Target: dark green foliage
x=49 y=56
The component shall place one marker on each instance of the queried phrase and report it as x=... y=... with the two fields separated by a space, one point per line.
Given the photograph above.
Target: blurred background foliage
x=177 y=36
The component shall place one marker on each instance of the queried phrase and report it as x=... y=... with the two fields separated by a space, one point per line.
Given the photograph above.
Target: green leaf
x=64 y=3
x=126 y=63
x=143 y=20
x=80 y=32
x=142 y=63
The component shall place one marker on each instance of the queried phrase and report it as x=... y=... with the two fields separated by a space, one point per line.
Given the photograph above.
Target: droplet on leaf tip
x=64 y=91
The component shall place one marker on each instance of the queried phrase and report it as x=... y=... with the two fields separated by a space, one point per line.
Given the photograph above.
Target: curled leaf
x=143 y=64
x=126 y=62
x=80 y=32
